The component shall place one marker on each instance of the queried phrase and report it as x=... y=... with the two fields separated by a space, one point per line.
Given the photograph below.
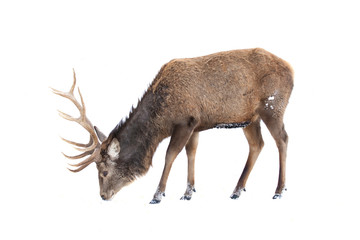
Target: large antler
x=93 y=147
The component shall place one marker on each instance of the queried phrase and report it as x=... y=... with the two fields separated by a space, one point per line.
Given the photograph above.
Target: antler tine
x=67 y=116
x=74 y=82
x=83 y=109
x=86 y=162
x=85 y=122
x=79 y=144
x=79 y=169
x=78 y=156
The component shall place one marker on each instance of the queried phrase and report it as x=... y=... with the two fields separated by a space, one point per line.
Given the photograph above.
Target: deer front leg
x=191 y=147
x=179 y=138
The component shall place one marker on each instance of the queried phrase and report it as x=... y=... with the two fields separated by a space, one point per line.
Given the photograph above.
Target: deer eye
x=105 y=173
x=103 y=153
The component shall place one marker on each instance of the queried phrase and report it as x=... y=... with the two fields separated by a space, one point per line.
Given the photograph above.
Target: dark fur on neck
x=139 y=136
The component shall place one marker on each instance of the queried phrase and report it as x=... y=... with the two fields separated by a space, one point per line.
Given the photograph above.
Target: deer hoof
x=236 y=194
x=186 y=197
x=155 y=201
x=157 y=197
x=188 y=193
x=279 y=195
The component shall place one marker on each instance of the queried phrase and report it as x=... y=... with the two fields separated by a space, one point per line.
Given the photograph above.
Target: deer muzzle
x=107 y=196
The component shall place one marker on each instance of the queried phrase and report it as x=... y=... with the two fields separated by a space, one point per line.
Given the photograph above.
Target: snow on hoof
x=185 y=197
x=157 y=197
x=188 y=193
x=236 y=194
x=279 y=195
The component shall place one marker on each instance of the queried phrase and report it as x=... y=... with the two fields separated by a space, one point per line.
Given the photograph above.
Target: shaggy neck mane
x=138 y=136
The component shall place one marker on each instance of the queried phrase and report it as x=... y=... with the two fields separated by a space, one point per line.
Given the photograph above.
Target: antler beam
x=92 y=147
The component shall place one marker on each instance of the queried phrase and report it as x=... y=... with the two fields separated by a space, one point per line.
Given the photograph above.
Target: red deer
x=223 y=90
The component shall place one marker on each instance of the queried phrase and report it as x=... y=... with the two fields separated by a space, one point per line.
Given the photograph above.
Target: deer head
x=102 y=150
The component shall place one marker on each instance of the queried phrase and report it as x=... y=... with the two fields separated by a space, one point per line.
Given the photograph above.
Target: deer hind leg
x=191 y=147
x=179 y=138
x=256 y=143
x=276 y=127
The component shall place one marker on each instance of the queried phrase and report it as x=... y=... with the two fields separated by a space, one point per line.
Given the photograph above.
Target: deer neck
x=139 y=137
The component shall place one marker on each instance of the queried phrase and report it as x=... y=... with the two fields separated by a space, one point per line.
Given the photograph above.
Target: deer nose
x=103 y=197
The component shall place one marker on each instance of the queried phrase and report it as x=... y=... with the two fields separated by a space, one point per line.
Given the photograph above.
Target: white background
x=117 y=48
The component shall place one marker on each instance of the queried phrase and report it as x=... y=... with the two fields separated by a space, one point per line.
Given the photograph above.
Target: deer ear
x=114 y=149
x=100 y=135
